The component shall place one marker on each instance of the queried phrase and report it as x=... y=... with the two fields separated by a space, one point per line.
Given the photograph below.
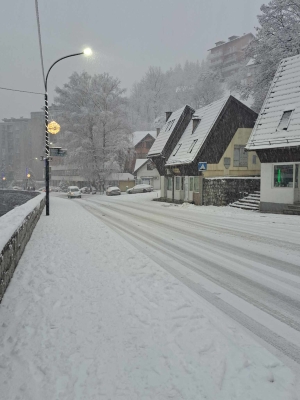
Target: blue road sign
x=202 y=166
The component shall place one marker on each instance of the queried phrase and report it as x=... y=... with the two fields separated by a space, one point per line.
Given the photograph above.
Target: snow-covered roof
x=122 y=176
x=283 y=97
x=139 y=135
x=139 y=162
x=165 y=133
x=208 y=115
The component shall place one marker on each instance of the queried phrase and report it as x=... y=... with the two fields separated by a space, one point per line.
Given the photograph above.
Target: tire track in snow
x=154 y=241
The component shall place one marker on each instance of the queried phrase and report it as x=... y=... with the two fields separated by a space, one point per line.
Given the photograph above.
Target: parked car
x=113 y=191
x=93 y=191
x=85 y=190
x=73 y=191
x=17 y=188
x=142 y=188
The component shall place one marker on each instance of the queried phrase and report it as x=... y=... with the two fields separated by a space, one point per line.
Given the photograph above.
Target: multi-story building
x=228 y=57
x=22 y=143
x=15 y=148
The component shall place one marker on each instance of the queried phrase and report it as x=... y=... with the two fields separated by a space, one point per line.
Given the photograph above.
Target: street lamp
x=86 y=52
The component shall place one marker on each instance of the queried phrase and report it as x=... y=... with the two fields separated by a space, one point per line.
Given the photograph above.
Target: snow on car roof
x=283 y=96
x=113 y=188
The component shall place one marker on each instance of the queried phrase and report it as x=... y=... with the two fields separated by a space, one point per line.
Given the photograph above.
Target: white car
x=73 y=191
x=142 y=188
x=113 y=191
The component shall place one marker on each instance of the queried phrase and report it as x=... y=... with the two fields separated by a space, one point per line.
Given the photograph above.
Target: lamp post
x=86 y=52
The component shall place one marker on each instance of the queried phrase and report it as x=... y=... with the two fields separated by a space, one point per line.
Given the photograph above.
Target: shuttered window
x=178 y=179
x=240 y=156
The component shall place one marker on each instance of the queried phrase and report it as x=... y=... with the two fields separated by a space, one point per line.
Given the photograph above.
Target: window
x=178 y=181
x=240 y=156
x=283 y=175
x=196 y=122
x=169 y=185
x=169 y=125
x=285 y=120
x=254 y=159
x=192 y=146
x=176 y=150
x=191 y=183
x=196 y=184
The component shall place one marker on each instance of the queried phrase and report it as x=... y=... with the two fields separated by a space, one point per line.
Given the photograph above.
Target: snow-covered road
x=246 y=264
x=87 y=316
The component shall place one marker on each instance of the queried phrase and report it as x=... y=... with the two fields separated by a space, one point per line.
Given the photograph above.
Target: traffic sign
x=202 y=166
x=53 y=127
x=57 y=152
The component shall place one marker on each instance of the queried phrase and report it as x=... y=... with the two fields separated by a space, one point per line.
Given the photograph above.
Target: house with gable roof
x=146 y=172
x=217 y=135
x=168 y=136
x=276 y=140
x=142 y=141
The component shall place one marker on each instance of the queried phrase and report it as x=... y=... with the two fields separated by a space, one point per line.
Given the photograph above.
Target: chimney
x=168 y=115
x=157 y=131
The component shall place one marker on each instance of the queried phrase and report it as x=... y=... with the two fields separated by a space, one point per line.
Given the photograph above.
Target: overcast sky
x=127 y=36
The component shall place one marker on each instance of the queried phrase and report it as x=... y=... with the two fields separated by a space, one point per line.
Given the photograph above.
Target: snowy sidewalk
x=87 y=316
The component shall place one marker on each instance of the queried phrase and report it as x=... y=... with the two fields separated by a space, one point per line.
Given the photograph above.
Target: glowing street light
x=86 y=52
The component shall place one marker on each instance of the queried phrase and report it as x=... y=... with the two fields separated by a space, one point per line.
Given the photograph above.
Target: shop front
x=279 y=186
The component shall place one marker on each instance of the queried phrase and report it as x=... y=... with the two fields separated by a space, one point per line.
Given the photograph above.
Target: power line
x=22 y=91
x=40 y=38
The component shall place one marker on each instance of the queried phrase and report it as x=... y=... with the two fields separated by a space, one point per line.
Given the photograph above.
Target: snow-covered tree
x=94 y=124
x=207 y=89
x=158 y=91
x=277 y=37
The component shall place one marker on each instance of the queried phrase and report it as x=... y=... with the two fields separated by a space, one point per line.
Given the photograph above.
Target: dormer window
x=170 y=124
x=192 y=145
x=176 y=150
x=196 y=122
x=285 y=120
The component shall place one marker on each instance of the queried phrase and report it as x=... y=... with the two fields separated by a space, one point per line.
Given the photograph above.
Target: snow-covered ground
x=88 y=316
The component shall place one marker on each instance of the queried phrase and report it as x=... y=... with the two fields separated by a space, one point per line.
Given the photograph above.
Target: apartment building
x=228 y=56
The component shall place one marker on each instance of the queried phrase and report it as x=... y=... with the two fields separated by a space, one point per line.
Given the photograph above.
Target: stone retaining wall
x=13 y=250
x=221 y=192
